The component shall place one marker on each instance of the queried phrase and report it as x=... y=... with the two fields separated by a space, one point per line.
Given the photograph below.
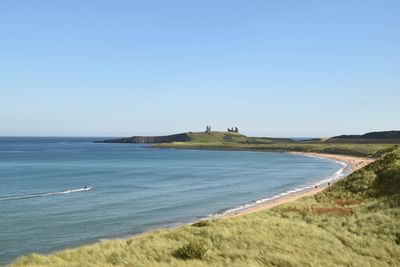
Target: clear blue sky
x=272 y=68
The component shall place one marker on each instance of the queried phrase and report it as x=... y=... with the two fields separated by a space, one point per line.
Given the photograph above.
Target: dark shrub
x=202 y=223
x=113 y=258
x=388 y=180
x=397 y=239
x=193 y=250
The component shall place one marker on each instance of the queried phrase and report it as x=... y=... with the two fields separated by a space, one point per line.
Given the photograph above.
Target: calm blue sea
x=135 y=188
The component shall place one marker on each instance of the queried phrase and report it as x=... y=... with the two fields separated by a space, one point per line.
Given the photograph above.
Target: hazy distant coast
x=182 y=137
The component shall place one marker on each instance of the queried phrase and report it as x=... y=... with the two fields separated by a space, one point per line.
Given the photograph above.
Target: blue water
x=134 y=188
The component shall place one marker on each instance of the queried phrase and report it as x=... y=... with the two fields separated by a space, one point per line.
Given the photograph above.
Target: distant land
x=383 y=137
x=182 y=137
x=207 y=136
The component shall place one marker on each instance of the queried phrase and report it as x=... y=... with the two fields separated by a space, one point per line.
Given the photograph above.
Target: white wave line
x=34 y=195
x=336 y=176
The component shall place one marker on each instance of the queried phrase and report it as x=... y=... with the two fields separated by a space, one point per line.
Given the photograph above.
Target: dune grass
x=355 y=222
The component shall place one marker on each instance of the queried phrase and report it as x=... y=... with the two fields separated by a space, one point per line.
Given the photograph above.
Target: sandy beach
x=355 y=163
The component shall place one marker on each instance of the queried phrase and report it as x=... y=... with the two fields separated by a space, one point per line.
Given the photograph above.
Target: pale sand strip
x=355 y=162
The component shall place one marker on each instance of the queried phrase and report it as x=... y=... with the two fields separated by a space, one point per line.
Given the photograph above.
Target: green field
x=231 y=141
x=355 y=222
x=200 y=137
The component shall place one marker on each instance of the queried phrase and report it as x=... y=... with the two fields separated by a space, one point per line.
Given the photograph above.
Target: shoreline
x=354 y=162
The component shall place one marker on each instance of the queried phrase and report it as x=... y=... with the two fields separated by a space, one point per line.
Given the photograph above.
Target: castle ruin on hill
x=233 y=130
x=230 y=130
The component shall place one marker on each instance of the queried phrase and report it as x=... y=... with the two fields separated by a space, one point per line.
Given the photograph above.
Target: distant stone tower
x=233 y=130
x=208 y=129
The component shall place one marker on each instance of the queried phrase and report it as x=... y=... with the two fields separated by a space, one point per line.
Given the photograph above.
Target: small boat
x=87 y=188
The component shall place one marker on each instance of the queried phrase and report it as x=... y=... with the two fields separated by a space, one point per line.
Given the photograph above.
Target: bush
x=388 y=180
x=113 y=258
x=202 y=223
x=397 y=239
x=192 y=250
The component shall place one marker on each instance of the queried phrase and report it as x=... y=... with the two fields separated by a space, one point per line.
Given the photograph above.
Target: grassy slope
x=227 y=137
x=233 y=141
x=213 y=137
x=365 y=150
x=356 y=222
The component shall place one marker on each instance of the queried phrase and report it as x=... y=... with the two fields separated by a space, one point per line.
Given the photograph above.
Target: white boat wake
x=44 y=194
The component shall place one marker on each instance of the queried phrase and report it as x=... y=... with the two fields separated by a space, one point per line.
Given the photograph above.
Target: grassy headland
x=355 y=222
x=233 y=141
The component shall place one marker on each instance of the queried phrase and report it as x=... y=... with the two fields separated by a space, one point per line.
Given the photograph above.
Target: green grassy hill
x=201 y=137
x=349 y=145
x=355 y=222
x=235 y=141
x=198 y=137
x=230 y=137
x=365 y=150
x=384 y=137
x=214 y=137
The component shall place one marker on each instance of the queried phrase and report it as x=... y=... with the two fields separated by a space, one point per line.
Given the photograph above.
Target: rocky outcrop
x=183 y=137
